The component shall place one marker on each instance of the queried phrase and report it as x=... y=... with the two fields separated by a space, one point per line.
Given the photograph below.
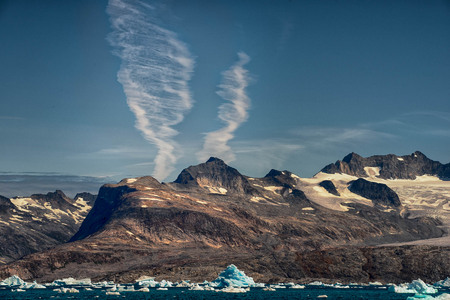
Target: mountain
x=389 y=166
x=276 y=227
x=38 y=222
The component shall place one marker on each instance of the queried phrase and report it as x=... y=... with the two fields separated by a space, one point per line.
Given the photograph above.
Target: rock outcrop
x=379 y=193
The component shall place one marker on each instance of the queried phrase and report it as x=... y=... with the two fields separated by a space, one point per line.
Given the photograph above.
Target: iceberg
x=34 y=285
x=232 y=289
x=12 y=281
x=146 y=282
x=165 y=284
x=232 y=277
x=415 y=287
x=443 y=283
x=66 y=290
x=71 y=281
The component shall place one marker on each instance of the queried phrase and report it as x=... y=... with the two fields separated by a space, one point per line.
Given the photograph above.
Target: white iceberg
x=12 y=281
x=232 y=277
x=146 y=282
x=165 y=284
x=66 y=290
x=232 y=289
x=71 y=281
x=32 y=286
x=415 y=287
x=196 y=287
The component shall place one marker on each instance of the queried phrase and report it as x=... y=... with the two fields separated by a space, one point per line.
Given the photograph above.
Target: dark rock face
x=182 y=230
x=391 y=166
x=38 y=222
x=377 y=192
x=329 y=186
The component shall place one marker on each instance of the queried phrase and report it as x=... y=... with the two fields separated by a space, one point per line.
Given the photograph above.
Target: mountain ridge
x=389 y=166
x=212 y=215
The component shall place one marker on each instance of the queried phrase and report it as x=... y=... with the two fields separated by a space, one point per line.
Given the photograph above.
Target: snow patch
x=274 y=189
x=400 y=159
x=295 y=176
x=216 y=190
x=372 y=171
x=131 y=180
x=151 y=199
x=257 y=199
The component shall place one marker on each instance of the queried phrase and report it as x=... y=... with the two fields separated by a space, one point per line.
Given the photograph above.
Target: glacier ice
x=232 y=277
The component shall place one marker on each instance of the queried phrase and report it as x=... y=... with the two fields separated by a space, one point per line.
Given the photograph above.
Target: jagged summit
x=215 y=175
x=389 y=166
x=215 y=159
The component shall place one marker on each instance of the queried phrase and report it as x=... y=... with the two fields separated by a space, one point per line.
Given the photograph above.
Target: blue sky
x=123 y=89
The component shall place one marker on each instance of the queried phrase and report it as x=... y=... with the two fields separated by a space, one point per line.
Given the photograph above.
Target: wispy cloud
x=233 y=113
x=329 y=136
x=155 y=71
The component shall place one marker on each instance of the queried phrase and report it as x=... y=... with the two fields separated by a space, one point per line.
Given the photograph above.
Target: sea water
x=355 y=292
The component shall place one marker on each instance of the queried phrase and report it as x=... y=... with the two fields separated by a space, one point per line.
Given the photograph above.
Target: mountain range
x=384 y=218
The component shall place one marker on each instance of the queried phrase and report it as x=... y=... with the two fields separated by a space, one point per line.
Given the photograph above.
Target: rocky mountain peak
x=352 y=157
x=216 y=176
x=57 y=198
x=215 y=160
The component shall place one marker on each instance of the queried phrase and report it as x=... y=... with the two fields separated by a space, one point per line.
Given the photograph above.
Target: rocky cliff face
x=212 y=216
x=38 y=222
x=389 y=166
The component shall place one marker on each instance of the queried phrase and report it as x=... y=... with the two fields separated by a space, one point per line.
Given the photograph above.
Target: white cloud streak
x=233 y=113
x=155 y=71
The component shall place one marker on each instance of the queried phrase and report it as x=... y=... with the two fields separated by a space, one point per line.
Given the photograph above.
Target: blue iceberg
x=232 y=277
x=415 y=287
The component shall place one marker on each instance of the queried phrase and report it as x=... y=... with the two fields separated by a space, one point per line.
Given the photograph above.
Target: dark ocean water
x=179 y=293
